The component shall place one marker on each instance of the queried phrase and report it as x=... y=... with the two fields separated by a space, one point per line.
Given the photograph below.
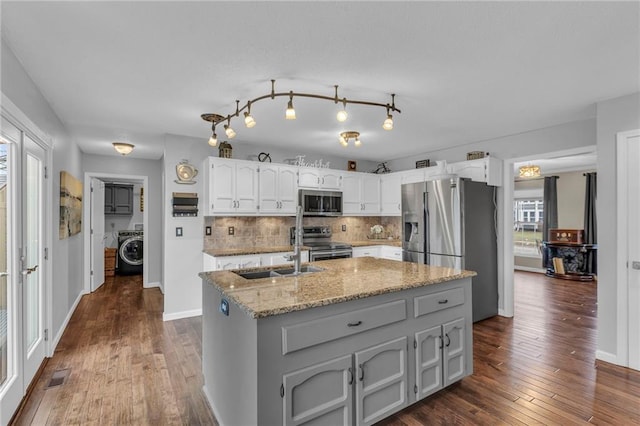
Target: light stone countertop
x=341 y=281
x=276 y=249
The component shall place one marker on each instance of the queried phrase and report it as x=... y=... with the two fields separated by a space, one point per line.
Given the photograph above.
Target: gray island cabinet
x=351 y=344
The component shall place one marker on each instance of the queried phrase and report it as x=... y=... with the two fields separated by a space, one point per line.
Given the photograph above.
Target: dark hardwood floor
x=127 y=366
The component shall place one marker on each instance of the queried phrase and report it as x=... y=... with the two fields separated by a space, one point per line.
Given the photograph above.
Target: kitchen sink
x=288 y=272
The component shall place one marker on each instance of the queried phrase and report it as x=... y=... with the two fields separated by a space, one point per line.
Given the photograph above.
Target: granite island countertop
x=276 y=249
x=340 y=281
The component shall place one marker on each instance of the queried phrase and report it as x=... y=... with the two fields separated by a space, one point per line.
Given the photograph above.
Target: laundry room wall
x=112 y=165
x=113 y=224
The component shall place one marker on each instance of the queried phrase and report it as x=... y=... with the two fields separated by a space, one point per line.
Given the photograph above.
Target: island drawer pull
x=354 y=324
x=443 y=302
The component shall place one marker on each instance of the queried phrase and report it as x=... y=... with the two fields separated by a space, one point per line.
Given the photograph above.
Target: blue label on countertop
x=224 y=307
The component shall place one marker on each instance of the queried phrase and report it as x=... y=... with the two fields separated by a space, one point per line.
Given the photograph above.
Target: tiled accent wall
x=267 y=231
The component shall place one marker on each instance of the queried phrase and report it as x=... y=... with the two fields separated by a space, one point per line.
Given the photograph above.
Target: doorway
x=24 y=272
x=104 y=228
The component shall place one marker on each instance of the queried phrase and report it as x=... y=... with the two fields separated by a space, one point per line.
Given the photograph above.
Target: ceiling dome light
x=123 y=148
x=290 y=114
x=213 y=140
x=388 y=123
x=529 y=171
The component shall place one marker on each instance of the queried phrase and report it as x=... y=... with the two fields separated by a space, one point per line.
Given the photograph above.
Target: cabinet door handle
x=443 y=302
x=350 y=376
x=441 y=342
x=361 y=367
x=448 y=340
x=323 y=180
x=354 y=324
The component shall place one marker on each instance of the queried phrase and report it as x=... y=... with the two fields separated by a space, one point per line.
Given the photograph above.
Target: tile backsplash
x=267 y=231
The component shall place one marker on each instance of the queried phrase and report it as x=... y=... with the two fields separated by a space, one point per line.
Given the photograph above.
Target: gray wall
x=615 y=115
x=153 y=198
x=66 y=255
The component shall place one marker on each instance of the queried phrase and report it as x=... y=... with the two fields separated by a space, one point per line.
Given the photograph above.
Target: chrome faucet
x=297 y=243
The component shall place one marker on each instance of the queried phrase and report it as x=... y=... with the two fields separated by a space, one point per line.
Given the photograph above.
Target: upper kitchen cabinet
x=361 y=194
x=411 y=176
x=487 y=169
x=390 y=194
x=232 y=186
x=278 y=189
x=315 y=178
x=118 y=199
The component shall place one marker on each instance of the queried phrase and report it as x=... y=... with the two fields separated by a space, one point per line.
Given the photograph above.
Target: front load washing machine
x=130 y=258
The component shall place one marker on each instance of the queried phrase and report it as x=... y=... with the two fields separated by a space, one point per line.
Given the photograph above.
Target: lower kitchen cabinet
x=220 y=263
x=371 y=383
x=440 y=357
x=321 y=393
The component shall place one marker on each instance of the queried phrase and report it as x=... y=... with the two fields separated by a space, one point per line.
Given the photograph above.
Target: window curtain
x=550 y=214
x=591 y=221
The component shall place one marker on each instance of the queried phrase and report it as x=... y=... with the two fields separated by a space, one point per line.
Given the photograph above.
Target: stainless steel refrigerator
x=451 y=222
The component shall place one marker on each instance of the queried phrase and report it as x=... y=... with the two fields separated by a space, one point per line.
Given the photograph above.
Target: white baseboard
x=182 y=314
x=529 y=269
x=502 y=313
x=63 y=327
x=155 y=284
x=608 y=357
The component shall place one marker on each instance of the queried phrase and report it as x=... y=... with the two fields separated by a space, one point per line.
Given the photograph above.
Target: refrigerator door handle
x=427 y=245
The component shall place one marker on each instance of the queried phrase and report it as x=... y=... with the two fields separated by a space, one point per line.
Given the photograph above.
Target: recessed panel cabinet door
x=319 y=394
x=246 y=188
x=222 y=187
x=269 y=189
x=428 y=361
x=288 y=189
x=453 y=351
x=381 y=381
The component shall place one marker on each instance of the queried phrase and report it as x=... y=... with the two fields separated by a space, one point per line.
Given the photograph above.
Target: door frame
x=86 y=218
x=623 y=317
x=505 y=224
x=15 y=116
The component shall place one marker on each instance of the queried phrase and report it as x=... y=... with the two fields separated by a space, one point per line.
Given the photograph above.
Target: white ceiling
x=462 y=72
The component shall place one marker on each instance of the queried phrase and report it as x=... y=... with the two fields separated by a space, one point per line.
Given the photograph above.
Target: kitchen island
x=351 y=344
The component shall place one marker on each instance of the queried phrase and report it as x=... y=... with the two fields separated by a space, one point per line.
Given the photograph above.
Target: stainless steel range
x=318 y=239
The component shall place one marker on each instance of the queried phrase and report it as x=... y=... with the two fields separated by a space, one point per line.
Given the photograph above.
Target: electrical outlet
x=231 y=230
x=207 y=230
x=344 y=228
x=179 y=231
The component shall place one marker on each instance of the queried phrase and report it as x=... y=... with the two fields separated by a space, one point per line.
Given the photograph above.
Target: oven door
x=315 y=255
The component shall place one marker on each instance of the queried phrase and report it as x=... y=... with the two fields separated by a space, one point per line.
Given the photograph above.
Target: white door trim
x=86 y=218
x=505 y=290
x=623 y=318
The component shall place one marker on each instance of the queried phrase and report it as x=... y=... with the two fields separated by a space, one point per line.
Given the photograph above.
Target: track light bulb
x=342 y=115
x=229 y=131
x=388 y=123
x=343 y=141
x=213 y=140
x=357 y=142
x=291 y=113
x=249 y=120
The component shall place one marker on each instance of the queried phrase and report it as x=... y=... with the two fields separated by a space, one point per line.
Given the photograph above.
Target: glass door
x=22 y=272
x=32 y=258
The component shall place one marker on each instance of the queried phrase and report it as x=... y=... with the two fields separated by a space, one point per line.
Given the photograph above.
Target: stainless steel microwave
x=320 y=203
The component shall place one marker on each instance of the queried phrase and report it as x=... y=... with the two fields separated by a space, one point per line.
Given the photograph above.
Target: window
x=527 y=220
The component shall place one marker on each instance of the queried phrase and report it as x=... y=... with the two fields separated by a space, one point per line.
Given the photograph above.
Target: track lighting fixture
x=213 y=140
x=249 y=121
x=290 y=113
x=346 y=136
x=229 y=131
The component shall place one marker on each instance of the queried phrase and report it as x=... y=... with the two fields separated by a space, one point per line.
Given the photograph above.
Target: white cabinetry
x=391 y=252
x=373 y=251
x=280 y=258
x=390 y=194
x=278 y=189
x=487 y=169
x=411 y=176
x=221 y=263
x=361 y=194
x=314 y=178
x=232 y=186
